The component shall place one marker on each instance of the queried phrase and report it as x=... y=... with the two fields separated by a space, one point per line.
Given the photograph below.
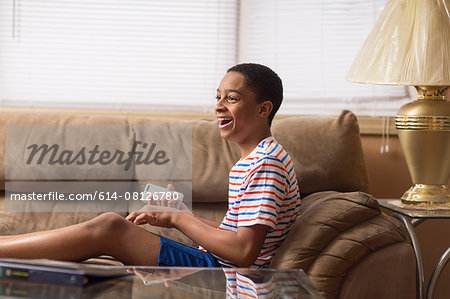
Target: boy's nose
x=219 y=106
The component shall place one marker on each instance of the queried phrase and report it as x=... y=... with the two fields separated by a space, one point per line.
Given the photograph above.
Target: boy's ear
x=265 y=108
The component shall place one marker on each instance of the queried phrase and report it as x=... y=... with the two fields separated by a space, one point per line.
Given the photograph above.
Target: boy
x=263 y=198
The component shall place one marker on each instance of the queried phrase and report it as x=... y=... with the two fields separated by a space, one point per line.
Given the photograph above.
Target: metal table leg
x=415 y=243
x=436 y=272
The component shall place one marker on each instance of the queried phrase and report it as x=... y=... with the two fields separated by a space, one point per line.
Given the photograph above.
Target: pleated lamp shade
x=409 y=45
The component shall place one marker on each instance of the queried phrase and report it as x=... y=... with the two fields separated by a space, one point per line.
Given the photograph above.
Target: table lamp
x=410 y=45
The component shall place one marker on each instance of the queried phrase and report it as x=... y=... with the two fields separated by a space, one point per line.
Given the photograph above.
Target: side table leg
x=437 y=271
x=418 y=253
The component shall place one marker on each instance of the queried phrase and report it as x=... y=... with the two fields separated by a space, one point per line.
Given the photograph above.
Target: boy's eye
x=217 y=98
x=231 y=99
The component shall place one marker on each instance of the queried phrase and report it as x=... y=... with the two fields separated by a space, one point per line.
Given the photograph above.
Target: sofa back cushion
x=326 y=151
x=35 y=127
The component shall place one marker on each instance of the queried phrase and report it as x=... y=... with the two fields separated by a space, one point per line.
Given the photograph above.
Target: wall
x=389 y=178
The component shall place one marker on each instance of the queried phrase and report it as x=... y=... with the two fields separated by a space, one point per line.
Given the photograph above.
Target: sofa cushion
x=326 y=151
x=319 y=225
x=13 y=223
x=57 y=132
x=212 y=158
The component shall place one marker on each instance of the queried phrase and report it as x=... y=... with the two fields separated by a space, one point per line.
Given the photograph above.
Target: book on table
x=57 y=272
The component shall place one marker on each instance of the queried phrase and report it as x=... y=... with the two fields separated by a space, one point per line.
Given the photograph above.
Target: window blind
x=311 y=45
x=111 y=54
x=170 y=55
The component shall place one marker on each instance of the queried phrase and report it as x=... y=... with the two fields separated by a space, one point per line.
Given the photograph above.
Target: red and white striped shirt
x=263 y=189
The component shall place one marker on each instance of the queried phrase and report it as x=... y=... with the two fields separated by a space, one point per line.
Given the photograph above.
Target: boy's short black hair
x=264 y=82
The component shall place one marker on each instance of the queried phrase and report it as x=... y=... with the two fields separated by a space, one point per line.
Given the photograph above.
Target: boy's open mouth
x=224 y=121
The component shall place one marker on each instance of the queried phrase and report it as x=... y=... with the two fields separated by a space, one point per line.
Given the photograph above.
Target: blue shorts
x=172 y=253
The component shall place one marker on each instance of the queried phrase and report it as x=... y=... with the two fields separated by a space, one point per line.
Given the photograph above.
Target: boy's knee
x=106 y=223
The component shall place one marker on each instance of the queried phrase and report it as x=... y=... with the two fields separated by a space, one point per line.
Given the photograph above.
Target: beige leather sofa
x=342 y=241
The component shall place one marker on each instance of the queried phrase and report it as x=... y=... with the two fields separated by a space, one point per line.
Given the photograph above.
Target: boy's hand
x=164 y=202
x=162 y=219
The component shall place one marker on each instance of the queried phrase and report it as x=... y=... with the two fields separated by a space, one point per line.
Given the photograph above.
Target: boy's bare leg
x=108 y=234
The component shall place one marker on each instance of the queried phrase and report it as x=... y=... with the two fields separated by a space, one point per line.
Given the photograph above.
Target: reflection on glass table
x=174 y=282
x=226 y=283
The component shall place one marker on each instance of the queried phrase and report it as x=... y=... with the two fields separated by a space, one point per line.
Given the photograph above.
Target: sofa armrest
x=334 y=233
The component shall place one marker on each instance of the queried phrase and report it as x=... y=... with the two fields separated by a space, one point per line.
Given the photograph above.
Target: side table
x=411 y=216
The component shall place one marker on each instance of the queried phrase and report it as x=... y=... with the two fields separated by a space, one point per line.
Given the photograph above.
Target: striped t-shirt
x=263 y=190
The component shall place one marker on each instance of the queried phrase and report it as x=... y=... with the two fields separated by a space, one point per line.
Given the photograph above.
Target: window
x=311 y=45
x=114 y=54
x=170 y=55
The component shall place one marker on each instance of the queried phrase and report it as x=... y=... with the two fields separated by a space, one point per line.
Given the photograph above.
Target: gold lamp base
x=427 y=194
x=423 y=127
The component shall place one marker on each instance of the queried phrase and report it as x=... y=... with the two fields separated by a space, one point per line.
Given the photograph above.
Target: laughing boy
x=263 y=197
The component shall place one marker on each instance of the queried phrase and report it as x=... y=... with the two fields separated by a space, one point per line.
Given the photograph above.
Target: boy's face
x=237 y=109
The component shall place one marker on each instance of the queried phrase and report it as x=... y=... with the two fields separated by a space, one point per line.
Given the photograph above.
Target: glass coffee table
x=174 y=282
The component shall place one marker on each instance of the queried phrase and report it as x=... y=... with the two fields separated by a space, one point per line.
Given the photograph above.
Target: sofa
x=342 y=240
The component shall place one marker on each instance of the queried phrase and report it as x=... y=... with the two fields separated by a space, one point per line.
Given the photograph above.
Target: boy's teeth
x=223 y=120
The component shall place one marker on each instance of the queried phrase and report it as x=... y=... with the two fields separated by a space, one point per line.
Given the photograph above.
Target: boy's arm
x=150 y=208
x=207 y=221
x=241 y=247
